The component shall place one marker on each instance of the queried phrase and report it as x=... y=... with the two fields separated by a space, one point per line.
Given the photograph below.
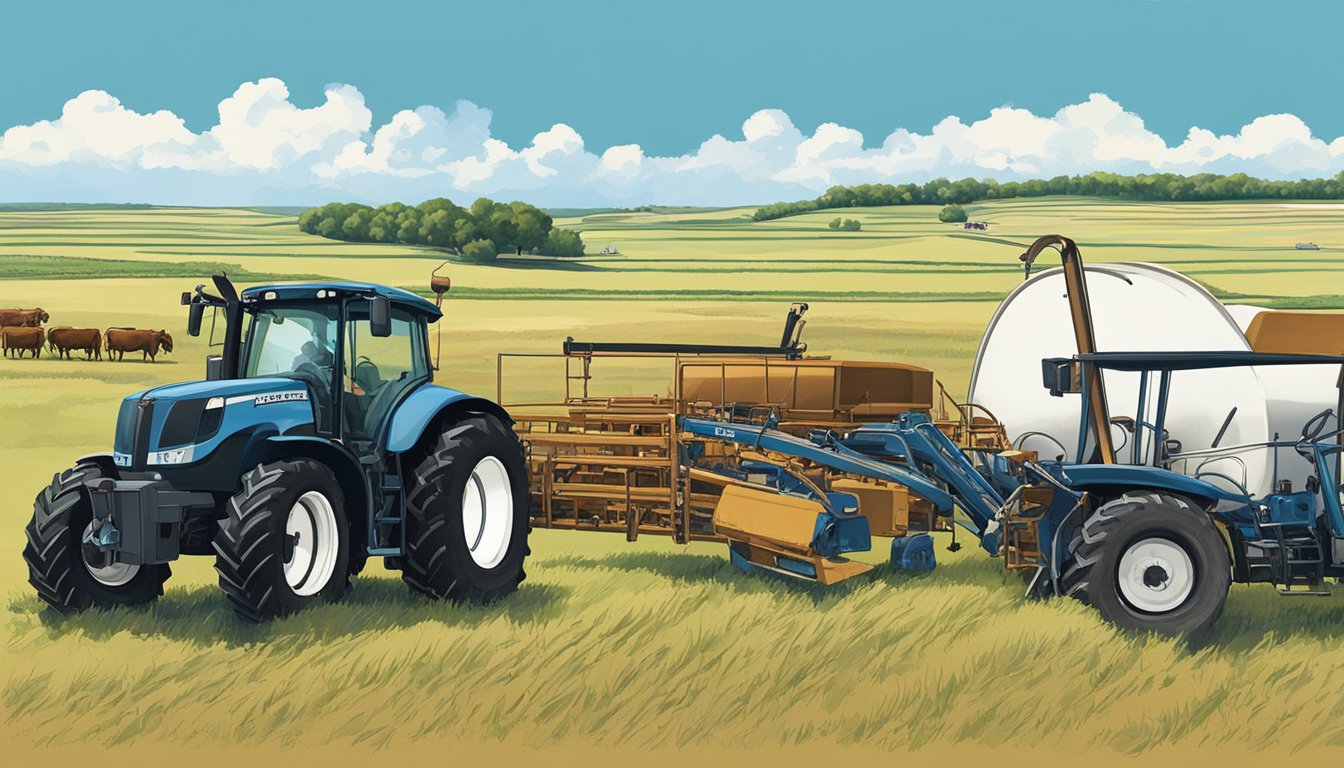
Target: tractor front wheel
x=1151 y=563
x=467 y=509
x=68 y=575
x=283 y=544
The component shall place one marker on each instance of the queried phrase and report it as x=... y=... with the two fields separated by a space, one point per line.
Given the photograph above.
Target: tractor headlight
x=211 y=417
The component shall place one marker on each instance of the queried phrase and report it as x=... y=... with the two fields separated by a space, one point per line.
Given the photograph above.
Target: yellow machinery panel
x=818 y=391
x=747 y=513
x=1299 y=333
x=886 y=506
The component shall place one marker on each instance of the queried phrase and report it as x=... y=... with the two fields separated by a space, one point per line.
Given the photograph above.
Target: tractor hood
x=181 y=424
x=227 y=389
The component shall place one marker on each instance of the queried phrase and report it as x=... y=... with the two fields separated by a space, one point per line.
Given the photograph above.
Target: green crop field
x=612 y=649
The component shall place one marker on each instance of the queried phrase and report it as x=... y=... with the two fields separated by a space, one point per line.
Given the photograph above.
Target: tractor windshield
x=298 y=342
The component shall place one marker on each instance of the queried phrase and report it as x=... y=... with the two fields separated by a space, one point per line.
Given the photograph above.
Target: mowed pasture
x=610 y=649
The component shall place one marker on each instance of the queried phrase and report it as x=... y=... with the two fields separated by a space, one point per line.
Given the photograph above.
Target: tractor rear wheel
x=1152 y=563
x=69 y=576
x=283 y=544
x=467 y=506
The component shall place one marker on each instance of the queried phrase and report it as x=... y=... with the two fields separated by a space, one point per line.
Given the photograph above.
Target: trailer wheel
x=69 y=576
x=283 y=544
x=1152 y=563
x=467 y=507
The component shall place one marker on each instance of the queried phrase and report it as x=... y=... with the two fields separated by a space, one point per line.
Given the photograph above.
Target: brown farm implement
x=659 y=465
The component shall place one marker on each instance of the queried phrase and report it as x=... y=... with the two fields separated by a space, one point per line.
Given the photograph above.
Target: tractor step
x=387 y=532
x=1294 y=556
x=1311 y=592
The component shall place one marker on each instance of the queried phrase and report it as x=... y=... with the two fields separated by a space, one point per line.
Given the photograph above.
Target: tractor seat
x=367 y=377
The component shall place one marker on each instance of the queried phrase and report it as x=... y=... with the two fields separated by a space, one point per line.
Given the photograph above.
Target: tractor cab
x=358 y=349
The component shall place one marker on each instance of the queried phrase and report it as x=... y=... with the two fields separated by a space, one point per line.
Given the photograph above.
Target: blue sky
x=667 y=76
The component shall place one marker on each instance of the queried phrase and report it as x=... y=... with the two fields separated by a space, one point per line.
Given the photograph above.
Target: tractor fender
x=1105 y=480
x=104 y=462
x=344 y=465
x=425 y=406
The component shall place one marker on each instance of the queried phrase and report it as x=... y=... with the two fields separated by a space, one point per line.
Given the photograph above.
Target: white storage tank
x=1136 y=308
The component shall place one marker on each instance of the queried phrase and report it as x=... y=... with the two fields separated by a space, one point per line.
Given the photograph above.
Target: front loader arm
x=834 y=456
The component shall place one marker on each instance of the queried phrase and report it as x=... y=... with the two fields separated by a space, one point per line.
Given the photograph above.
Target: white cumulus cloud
x=264 y=149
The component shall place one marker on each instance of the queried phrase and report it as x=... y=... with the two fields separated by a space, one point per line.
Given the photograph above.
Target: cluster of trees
x=952 y=213
x=1153 y=186
x=845 y=225
x=478 y=233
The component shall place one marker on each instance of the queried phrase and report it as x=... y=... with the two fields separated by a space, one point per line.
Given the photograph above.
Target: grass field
x=612 y=649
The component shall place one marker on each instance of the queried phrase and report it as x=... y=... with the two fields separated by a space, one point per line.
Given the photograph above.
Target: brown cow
x=51 y=347
x=87 y=340
x=23 y=318
x=20 y=340
x=120 y=341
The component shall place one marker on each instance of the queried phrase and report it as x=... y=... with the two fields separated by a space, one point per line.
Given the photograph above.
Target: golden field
x=613 y=649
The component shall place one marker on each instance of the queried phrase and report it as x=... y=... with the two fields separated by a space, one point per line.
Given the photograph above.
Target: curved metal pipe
x=1080 y=308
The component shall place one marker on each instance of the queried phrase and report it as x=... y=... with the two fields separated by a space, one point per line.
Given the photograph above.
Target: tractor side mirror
x=214 y=368
x=1061 y=376
x=380 y=316
x=194 y=313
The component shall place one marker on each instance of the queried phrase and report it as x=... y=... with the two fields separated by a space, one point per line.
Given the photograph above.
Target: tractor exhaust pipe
x=439 y=284
x=196 y=302
x=1080 y=309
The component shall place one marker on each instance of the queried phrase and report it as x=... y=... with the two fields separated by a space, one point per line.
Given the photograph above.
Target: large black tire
x=57 y=567
x=253 y=547
x=440 y=561
x=1132 y=526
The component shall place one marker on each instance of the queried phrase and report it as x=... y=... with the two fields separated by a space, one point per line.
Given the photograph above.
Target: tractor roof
x=309 y=291
x=1199 y=360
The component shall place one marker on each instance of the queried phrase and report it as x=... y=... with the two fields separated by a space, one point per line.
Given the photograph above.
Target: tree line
x=1154 y=186
x=479 y=233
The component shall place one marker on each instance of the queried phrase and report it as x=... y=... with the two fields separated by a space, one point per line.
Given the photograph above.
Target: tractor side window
x=380 y=370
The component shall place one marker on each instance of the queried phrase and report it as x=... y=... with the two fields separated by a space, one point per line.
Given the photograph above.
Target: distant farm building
x=1308 y=247
x=976 y=225
x=611 y=250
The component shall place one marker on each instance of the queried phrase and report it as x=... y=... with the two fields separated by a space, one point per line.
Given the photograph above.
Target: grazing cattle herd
x=21 y=332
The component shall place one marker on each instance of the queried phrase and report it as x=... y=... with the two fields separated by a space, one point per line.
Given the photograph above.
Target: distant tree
x=440 y=223
x=834 y=223
x=1152 y=186
x=330 y=227
x=850 y=225
x=383 y=224
x=563 y=242
x=408 y=227
x=479 y=251
x=952 y=213
x=531 y=226
x=356 y=226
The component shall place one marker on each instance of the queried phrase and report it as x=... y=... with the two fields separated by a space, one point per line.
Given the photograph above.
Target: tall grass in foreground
x=651 y=646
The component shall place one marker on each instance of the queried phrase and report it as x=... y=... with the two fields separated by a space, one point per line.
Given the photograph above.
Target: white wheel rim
x=487 y=512
x=1156 y=575
x=114 y=575
x=312 y=543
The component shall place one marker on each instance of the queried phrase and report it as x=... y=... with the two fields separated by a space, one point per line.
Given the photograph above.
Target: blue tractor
x=1149 y=534
x=316 y=440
